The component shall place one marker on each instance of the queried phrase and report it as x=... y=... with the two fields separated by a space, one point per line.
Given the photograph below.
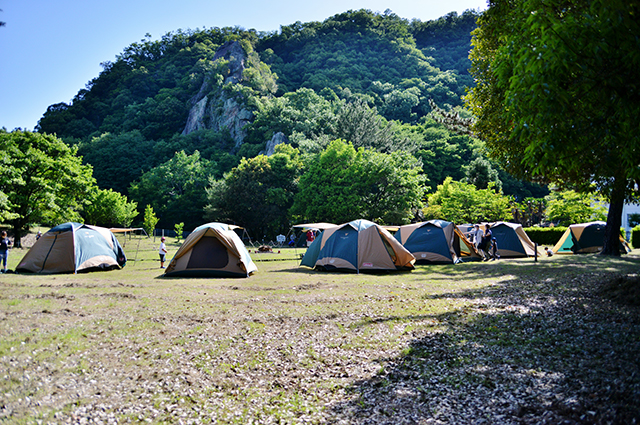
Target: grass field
x=505 y=342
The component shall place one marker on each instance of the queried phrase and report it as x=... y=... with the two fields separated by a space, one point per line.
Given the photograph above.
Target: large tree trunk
x=17 y=238
x=614 y=220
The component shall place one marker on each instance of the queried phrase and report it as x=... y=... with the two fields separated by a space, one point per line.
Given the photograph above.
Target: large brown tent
x=212 y=250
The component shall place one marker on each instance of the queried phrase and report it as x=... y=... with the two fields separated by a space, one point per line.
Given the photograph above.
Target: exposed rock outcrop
x=277 y=139
x=214 y=108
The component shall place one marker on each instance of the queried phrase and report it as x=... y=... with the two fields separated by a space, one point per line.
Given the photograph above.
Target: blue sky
x=50 y=49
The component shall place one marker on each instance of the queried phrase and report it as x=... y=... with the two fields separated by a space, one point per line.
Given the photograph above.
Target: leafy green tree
x=150 y=220
x=45 y=181
x=461 y=202
x=107 y=208
x=569 y=207
x=118 y=159
x=179 y=228
x=556 y=95
x=392 y=187
x=480 y=174
x=361 y=125
x=258 y=193
x=342 y=184
x=175 y=189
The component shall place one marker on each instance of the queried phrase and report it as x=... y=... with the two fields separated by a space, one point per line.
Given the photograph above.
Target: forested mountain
x=207 y=98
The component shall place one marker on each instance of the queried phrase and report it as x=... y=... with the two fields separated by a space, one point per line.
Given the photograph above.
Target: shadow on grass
x=541 y=346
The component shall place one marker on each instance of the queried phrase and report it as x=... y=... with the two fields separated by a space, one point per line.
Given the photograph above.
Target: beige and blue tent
x=357 y=246
x=72 y=248
x=436 y=242
x=212 y=250
x=513 y=241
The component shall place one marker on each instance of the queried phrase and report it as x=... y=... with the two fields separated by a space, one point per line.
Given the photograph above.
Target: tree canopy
x=43 y=179
x=557 y=94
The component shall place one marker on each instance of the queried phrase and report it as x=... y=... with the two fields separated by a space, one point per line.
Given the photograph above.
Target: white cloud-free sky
x=50 y=49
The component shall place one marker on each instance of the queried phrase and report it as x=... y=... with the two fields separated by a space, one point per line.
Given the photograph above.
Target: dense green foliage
x=107 y=208
x=343 y=184
x=462 y=202
x=570 y=207
x=43 y=179
x=258 y=193
x=157 y=124
x=557 y=94
x=175 y=189
x=545 y=236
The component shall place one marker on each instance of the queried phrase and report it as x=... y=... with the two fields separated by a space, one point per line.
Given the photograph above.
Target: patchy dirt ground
x=510 y=342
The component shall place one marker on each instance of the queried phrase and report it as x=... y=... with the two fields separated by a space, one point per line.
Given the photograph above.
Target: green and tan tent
x=72 y=248
x=584 y=238
x=212 y=250
x=357 y=246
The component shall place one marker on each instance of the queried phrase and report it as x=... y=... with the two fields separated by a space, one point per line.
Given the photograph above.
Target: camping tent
x=584 y=238
x=72 y=248
x=304 y=228
x=512 y=240
x=212 y=250
x=436 y=241
x=359 y=245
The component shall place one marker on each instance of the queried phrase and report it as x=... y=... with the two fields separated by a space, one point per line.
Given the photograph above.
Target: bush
x=545 y=236
x=635 y=237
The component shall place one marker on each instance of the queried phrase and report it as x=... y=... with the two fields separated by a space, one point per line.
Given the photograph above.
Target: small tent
x=212 y=250
x=72 y=248
x=513 y=241
x=357 y=246
x=584 y=238
x=436 y=242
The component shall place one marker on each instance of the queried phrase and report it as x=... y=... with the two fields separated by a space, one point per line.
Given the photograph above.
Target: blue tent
x=512 y=240
x=436 y=242
x=357 y=246
x=74 y=247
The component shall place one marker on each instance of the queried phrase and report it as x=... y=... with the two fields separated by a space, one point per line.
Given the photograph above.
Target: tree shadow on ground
x=544 y=346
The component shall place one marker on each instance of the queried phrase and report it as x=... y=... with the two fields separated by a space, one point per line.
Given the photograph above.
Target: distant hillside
x=383 y=59
x=228 y=93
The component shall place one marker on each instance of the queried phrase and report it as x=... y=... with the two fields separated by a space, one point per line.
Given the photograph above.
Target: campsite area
x=513 y=341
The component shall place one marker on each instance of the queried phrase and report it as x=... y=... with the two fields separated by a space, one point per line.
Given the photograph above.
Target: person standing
x=5 y=243
x=310 y=237
x=477 y=235
x=485 y=245
x=162 y=251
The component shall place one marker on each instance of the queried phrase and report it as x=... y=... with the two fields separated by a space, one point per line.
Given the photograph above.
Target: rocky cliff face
x=213 y=108
x=277 y=139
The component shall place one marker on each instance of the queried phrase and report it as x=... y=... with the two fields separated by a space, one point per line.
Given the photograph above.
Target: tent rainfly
x=212 y=250
x=513 y=241
x=436 y=242
x=357 y=246
x=72 y=248
x=585 y=238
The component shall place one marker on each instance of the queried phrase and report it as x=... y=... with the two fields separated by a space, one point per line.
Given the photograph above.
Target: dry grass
x=507 y=342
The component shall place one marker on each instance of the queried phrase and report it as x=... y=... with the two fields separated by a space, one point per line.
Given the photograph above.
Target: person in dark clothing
x=5 y=243
x=485 y=244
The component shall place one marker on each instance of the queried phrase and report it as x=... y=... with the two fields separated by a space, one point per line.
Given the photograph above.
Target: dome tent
x=583 y=238
x=436 y=242
x=211 y=250
x=513 y=241
x=357 y=246
x=72 y=248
